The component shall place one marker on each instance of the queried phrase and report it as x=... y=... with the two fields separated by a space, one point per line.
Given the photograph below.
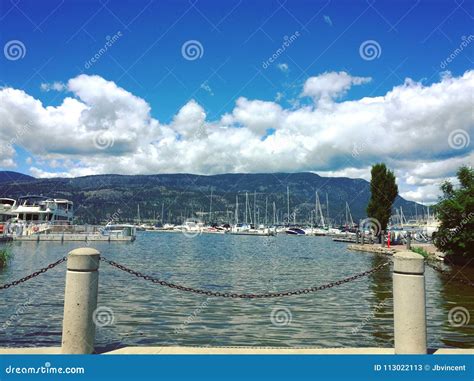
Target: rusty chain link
x=448 y=274
x=33 y=275
x=241 y=296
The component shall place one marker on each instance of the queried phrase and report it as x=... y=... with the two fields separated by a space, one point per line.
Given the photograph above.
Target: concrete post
x=409 y=310
x=363 y=237
x=382 y=238
x=409 y=241
x=80 y=301
x=357 y=236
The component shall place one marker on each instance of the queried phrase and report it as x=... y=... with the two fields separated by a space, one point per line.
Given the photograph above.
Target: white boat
x=190 y=226
x=39 y=209
x=6 y=213
x=119 y=230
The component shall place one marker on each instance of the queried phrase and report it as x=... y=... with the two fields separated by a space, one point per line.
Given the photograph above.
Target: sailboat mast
x=288 y=203
x=327 y=207
x=266 y=208
x=320 y=210
x=210 y=207
x=246 y=207
x=236 y=209
x=316 y=208
x=274 y=213
x=255 y=208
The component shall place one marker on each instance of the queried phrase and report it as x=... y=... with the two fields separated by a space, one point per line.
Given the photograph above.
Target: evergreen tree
x=383 y=190
x=455 y=211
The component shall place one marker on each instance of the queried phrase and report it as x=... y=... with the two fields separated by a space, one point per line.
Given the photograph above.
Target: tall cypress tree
x=384 y=190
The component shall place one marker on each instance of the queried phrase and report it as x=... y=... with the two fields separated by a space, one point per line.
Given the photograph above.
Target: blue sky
x=234 y=38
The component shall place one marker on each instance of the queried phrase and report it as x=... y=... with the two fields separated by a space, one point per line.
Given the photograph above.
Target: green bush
x=4 y=256
x=455 y=211
x=421 y=251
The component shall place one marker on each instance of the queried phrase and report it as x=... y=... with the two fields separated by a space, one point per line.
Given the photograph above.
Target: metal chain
x=242 y=296
x=447 y=273
x=35 y=274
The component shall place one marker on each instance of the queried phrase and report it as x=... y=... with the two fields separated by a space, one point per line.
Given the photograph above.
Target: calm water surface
x=356 y=314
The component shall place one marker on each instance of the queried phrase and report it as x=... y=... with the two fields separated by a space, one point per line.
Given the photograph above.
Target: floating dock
x=59 y=237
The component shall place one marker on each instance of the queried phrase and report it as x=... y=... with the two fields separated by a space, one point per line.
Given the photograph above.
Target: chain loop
x=448 y=274
x=33 y=275
x=241 y=296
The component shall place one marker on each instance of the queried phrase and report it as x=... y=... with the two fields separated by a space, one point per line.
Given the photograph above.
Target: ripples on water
x=356 y=314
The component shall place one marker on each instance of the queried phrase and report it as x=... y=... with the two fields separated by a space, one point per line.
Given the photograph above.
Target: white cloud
x=55 y=86
x=283 y=67
x=408 y=128
x=328 y=86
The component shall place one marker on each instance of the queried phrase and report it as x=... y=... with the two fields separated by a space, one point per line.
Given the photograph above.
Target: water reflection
x=354 y=314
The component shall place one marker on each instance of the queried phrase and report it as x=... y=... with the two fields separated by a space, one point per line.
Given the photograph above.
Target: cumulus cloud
x=102 y=128
x=328 y=86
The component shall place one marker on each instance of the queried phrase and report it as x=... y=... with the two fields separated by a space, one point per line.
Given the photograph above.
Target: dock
x=59 y=237
x=376 y=248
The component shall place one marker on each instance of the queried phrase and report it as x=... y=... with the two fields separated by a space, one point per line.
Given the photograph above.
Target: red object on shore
x=388 y=240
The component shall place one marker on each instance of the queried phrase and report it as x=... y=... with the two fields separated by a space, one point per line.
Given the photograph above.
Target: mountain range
x=175 y=197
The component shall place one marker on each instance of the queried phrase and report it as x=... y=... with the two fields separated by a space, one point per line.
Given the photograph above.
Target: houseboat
x=39 y=209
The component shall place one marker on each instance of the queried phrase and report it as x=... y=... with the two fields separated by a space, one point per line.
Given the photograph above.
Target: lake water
x=356 y=314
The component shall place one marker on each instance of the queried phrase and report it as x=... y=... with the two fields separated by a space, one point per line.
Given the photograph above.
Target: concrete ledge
x=248 y=351
x=31 y=351
x=234 y=351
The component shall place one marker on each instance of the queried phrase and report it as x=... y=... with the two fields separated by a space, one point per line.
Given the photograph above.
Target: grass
x=5 y=255
x=421 y=251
